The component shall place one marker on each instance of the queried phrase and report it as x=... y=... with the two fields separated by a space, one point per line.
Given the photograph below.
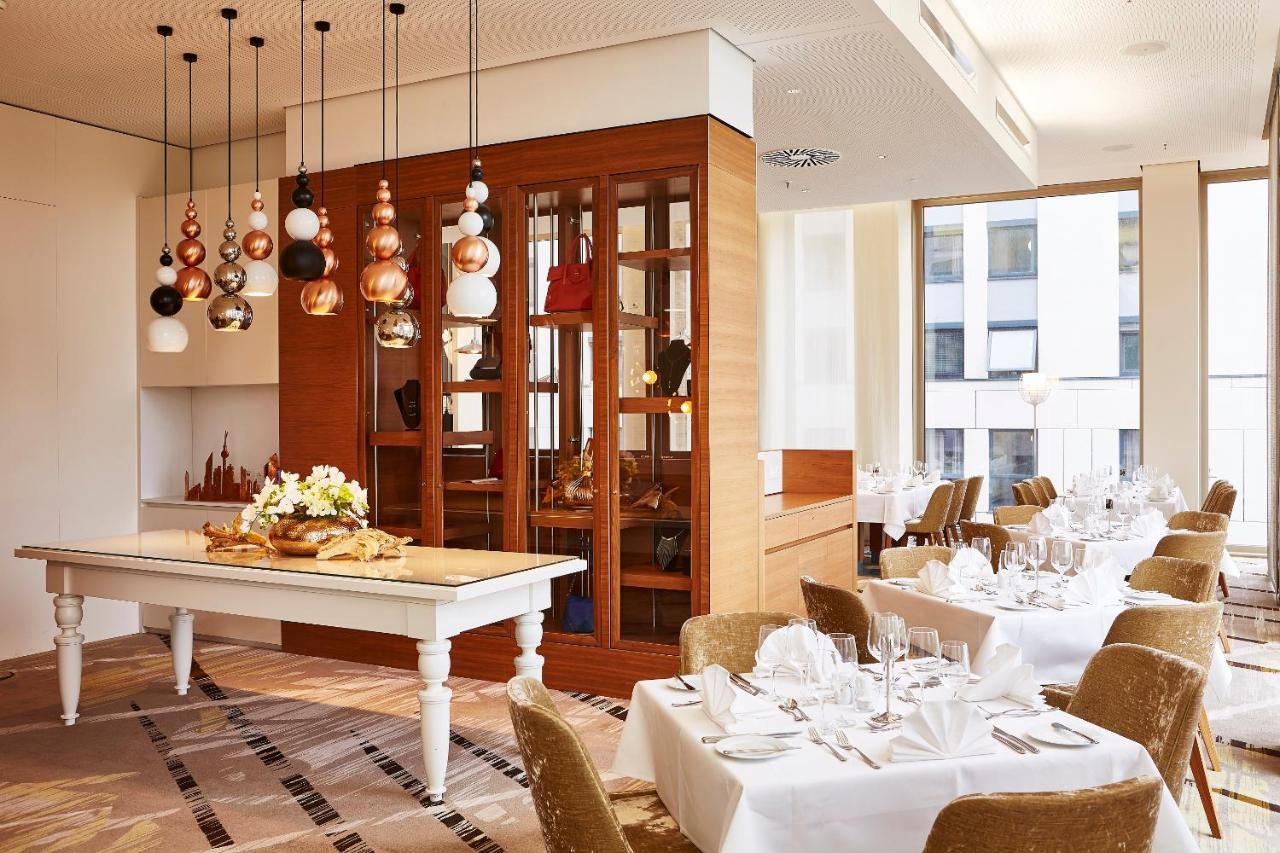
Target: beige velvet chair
x=1116 y=818
x=907 y=562
x=1190 y=580
x=575 y=812
x=1046 y=486
x=1211 y=496
x=1037 y=492
x=972 y=491
x=951 y=531
x=1022 y=494
x=729 y=639
x=933 y=521
x=1006 y=515
x=838 y=610
x=1199 y=522
x=998 y=535
x=1191 y=545
x=1225 y=501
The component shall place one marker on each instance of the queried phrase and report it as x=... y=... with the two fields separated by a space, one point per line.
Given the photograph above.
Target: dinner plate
x=909 y=582
x=752 y=747
x=695 y=680
x=1046 y=733
x=1144 y=595
x=1013 y=605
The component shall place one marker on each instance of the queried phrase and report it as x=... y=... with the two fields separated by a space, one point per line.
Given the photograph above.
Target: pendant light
x=323 y=297
x=229 y=311
x=398 y=327
x=302 y=260
x=166 y=333
x=473 y=294
x=383 y=280
x=260 y=277
x=192 y=282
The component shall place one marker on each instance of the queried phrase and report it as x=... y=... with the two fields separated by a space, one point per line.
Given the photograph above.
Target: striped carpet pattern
x=271 y=751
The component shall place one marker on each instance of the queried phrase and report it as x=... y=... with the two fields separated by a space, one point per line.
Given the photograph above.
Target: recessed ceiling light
x=804 y=190
x=1146 y=48
x=800 y=158
x=794 y=91
x=881 y=156
x=1123 y=146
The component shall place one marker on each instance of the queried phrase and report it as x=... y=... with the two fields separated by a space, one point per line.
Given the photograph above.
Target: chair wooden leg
x=1222 y=636
x=1206 y=793
x=1210 y=748
x=1222 y=585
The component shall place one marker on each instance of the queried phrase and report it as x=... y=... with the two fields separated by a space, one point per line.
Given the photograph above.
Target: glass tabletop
x=452 y=567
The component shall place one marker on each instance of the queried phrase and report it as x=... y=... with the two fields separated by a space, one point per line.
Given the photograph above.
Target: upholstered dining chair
x=1037 y=491
x=951 y=531
x=574 y=810
x=998 y=535
x=1190 y=580
x=907 y=562
x=1022 y=494
x=1006 y=515
x=933 y=521
x=1116 y=818
x=1225 y=501
x=729 y=639
x=838 y=610
x=1198 y=521
x=1193 y=545
x=972 y=491
x=1211 y=496
x=1046 y=486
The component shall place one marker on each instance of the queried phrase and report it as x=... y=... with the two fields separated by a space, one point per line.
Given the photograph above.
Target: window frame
x=958 y=276
x=935 y=328
x=1006 y=225
x=1014 y=372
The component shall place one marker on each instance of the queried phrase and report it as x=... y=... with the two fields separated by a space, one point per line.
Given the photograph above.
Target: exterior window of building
x=1011 y=462
x=1130 y=348
x=1128 y=241
x=1236 y=246
x=1011 y=249
x=944 y=354
x=1011 y=351
x=1129 y=453
x=943 y=253
x=944 y=451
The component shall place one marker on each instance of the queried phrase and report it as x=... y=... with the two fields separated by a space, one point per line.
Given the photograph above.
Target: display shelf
x=448 y=321
x=565 y=518
x=584 y=319
x=652 y=577
x=401 y=438
x=467 y=486
x=456 y=439
x=656 y=260
x=474 y=386
x=651 y=405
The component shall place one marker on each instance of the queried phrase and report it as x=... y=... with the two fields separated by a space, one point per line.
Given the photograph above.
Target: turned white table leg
x=180 y=631
x=68 y=612
x=528 y=638
x=433 y=664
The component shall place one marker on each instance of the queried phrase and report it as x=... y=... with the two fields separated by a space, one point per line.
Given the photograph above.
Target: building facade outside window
x=1048 y=284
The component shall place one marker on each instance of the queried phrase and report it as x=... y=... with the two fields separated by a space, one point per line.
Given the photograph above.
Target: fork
x=1011 y=712
x=842 y=741
x=817 y=738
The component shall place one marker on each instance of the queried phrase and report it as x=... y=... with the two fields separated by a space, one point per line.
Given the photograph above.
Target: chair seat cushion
x=1059 y=695
x=647 y=824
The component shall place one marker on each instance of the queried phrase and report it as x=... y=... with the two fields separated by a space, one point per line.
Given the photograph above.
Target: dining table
x=1168 y=506
x=1125 y=549
x=893 y=507
x=805 y=799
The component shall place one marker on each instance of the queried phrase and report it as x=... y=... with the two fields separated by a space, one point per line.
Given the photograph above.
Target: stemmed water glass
x=922 y=656
x=799 y=647
x=887 y=641
x=953 y=667
x=1011 y=560
x=1061 y=558
x=1036 y=553
x=772 y=669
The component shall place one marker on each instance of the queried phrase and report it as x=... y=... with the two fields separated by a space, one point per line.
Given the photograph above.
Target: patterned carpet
x=273 y=751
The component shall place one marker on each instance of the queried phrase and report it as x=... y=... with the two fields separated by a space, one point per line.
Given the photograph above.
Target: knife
x=687 y=685
x=997 y=736
x=718 y=738
x=1017 y=739
x=738 y=680
x=1067 y=728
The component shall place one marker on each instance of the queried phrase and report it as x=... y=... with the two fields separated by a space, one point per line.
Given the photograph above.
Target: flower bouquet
x=300 y=516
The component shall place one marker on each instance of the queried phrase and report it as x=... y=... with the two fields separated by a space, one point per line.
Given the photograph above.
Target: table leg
x=68 y=612
x=433 y=664
x=180 y=631
x=528 y=638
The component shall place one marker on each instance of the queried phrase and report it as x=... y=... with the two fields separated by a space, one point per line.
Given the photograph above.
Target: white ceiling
x=1202 y=98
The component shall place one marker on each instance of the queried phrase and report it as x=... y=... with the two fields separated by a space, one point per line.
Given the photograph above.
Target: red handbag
x=569 y=285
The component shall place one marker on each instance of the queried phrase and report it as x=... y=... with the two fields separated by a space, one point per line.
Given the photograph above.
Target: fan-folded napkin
x=791 y=645
x=1006 y=676
x=970 y=562
x=943 y=730
x=1058 y=516
x=1096 y=586
x=1039 y=525
x=1149 y=523
x=733 y=710
x=937 y=578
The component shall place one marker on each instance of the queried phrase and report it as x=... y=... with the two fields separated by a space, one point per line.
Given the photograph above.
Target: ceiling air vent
x=800 y=158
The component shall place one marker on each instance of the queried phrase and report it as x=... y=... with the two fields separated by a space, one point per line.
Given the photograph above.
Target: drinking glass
x=820 y=682
x=846 y=646
x=922 y=657
x=1010 y=566
x=887 y=637
x=798 y=649
x=954 y=665
x=1061 y=558
x=982 y=544
x=1036 y=553
x=772 y=669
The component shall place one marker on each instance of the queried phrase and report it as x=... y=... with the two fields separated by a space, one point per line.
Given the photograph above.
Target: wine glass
x=982 y=544
x=1061 y=558
x=922 y=656
x=799 y=646
x=772 y=670
x=887 y=638
x=1010 y=565
x=953 y=668
x=1036 y=553
x=820 y=682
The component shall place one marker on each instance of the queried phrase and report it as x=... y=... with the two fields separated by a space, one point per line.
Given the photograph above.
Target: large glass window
x=944 y=451
x=1057 y=292
x=1237 y=307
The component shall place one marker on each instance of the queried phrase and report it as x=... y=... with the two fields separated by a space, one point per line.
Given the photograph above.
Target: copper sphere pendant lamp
x=261 y=278
x=192 y=282
x=322 y=297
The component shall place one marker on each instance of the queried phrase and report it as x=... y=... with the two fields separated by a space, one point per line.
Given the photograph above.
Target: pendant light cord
x=397 y=102
x=384 y=91
x=229 y=18
x=471 y=41
x=476 y=150
x=322 y=166
x=302 y=84
x=191 y=181
x=164 y=223
x=256 y=179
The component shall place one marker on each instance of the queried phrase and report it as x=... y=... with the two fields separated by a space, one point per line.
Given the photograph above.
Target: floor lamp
x=1035 y=388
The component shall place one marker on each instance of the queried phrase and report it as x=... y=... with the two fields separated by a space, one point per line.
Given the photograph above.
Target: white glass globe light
x=469 y=223
x=166 y=275
x=260 y=279
x=166 y=334
x=303 y=224
x=495 y=259
x=471 y=295
x=258 y=220
x=478 y=190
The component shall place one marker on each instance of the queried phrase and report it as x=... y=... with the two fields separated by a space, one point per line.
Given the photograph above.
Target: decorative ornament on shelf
x=384 y=280
x=192 y=283
x=261 y=278
x=322 y=297
x=302 y=259
x=473 y=294
x=166 y=333
x=222 y=484
x=229 y=311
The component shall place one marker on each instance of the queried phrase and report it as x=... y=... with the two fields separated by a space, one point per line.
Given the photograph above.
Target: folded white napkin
x=1058 y=516
x=894 y=484
x=943 y=730
x=1039 y=525
x=789 y=646
x=1006 y=676
x=933 y=476
x=915 y=481
x=1149 y=522
x=937 y=578
x=1097 y=585
x=732 y=709
x=969 y=563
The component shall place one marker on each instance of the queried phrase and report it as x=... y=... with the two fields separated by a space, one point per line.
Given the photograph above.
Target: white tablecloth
x=895 y=509
x=808 y=801
x=1173 y=504
x=1127 y=552
x=1058 y=643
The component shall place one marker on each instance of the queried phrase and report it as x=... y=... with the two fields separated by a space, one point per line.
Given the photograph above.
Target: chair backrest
x=1199 y=521
x=573 y=808
x=1115 y=818
x=1022 y=495
x=729 y=639
x=1046 y=485
x=998 y=535
x=1149 y=696
x=1211 y=497
x=1186 y=630
x=934 y=517
x=1015 y=514
x=907 y=562
x=1037 y=491
x=1190 y=580
x=1225 y=501
x=959 y=489
x=972 y=492
x=838 y=610
x=1205 y=547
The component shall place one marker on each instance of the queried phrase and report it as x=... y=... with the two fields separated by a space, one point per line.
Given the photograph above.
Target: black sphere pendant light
x=166 y=333
x=302 y=259
x=229 y=311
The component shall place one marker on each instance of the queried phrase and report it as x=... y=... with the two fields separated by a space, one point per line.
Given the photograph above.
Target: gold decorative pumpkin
x=302 y=536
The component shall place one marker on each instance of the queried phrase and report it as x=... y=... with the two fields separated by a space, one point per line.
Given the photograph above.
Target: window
x=1011 y=462
x=1011 y=249
x=943 y=354
x=1129 y=453
x=1130 y=349
x=944 y=451
x=1011 y=351
x=1128 y=241
x=943 y=253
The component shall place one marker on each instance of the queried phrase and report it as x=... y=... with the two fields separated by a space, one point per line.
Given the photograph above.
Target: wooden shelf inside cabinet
x=396 y=530
x=474 y=386
x=448 y=321
x=582 y=320
x=454 y=439
x=651 y=405
x=468 y=486
x=652 y=577
x=656 y=260
x=466 y=531
x=402 y=438
x=566 y=518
